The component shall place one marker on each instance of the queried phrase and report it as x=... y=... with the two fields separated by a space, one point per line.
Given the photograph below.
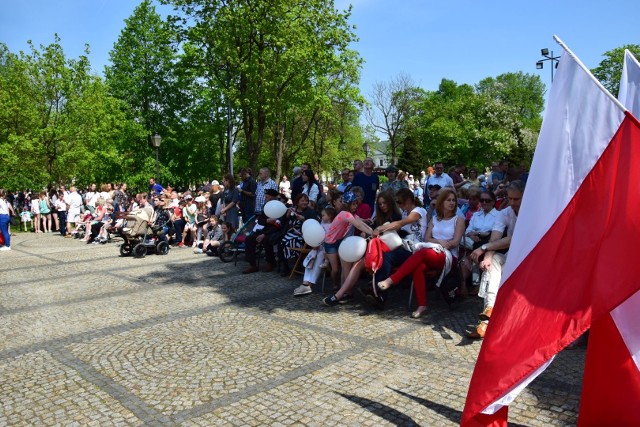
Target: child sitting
x=214 y=236
x=83 y=226
x=315 y=260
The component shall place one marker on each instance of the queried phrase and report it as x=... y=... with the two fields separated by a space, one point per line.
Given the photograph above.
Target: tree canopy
x=281 y=77
x=609 y=70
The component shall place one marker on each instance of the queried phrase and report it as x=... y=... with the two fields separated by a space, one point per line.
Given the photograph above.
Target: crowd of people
x=458 y=221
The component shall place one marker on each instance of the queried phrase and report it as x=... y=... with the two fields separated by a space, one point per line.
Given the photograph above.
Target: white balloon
x=309 y=223
x=313 y=234
x=352 y=248
x=275 y=209
x=391 y=239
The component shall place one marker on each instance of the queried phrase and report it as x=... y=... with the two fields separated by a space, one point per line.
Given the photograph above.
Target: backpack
x=373 y=257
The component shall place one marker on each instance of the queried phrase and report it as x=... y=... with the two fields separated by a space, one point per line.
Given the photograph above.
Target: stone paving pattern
x=92 y=338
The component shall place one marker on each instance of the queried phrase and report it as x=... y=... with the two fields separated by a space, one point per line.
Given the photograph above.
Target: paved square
x=92 y=338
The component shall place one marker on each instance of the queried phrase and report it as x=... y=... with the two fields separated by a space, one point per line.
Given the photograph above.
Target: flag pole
x=584 y=67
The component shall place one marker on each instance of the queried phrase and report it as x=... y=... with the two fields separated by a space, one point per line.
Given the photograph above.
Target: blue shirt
x=369 y=185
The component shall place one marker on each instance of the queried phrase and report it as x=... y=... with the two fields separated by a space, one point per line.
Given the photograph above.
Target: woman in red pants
x=445 y=231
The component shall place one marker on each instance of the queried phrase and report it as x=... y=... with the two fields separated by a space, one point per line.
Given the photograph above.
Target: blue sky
x=463 y=40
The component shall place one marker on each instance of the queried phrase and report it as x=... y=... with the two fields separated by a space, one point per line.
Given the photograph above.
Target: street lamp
x=366 y=147
x=155 y=141
x=548 y=57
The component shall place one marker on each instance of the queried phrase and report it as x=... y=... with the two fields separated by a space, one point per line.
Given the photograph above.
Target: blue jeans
x=391 y=259
x=62 y=218
x=4 y=227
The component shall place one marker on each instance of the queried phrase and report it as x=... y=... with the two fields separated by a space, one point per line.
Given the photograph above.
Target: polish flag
x=572 y=261
x=613 y=355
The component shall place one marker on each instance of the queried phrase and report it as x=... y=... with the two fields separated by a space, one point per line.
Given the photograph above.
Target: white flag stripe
x=580 y=121
x=627 y=319
x=588 y=72
x=629 y=94
x=627 y=315
x=578 y=125
x=516 y=390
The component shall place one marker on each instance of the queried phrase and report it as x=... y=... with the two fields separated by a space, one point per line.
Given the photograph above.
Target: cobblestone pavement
x=92 y=338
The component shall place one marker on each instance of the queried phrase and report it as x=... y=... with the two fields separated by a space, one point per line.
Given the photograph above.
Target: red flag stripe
x=611 y=385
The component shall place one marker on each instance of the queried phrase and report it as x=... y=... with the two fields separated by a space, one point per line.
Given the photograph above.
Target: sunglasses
x=486 y=200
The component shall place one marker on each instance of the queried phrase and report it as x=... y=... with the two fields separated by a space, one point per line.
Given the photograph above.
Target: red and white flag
x=629 y=94
x=572 y=259
x=613 y=355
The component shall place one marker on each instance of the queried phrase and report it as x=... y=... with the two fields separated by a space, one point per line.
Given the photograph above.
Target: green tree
x=524 y=95
x=277 y=58
x=411 y=158
x=457 y=125
x=59 y=122
x=142 y=75
x=141 y=70
x=523 y=92
x=609 y=70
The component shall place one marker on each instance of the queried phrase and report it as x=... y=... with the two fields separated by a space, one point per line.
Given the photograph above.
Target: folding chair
x=302 y=253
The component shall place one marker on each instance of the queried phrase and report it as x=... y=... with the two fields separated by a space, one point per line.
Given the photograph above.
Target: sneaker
x=302 y=290
x=181 y=245
x=197 y=251
x=5 y=248
x=331 y=301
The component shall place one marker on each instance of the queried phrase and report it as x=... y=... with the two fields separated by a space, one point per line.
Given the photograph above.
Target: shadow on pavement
x=451 y=414
x=386 y=412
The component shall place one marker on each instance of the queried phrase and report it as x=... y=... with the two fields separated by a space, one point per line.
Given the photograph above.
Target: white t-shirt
x=60 y=205
x=4 y=207
x=75 y=202
x=416 y=229
x=90 y=198
x=35 y=206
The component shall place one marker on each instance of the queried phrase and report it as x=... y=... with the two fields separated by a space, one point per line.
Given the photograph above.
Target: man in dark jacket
x=265 y=229
x=247 y=194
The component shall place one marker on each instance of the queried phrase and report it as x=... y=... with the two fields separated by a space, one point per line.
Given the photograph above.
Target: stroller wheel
x=162 y=248
x=126 y=249
x=139 y=250
x=227 y=251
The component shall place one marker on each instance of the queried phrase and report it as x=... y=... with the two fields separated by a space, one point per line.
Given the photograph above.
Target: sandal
x=419 y=312
x=385 y=284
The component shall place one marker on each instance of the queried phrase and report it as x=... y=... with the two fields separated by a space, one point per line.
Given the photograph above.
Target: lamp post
x=548 y=57
x=156 y=140
x=366 y=147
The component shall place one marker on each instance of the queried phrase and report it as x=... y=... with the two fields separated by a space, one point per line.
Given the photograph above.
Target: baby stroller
x=230 y=249
x=139 y=237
